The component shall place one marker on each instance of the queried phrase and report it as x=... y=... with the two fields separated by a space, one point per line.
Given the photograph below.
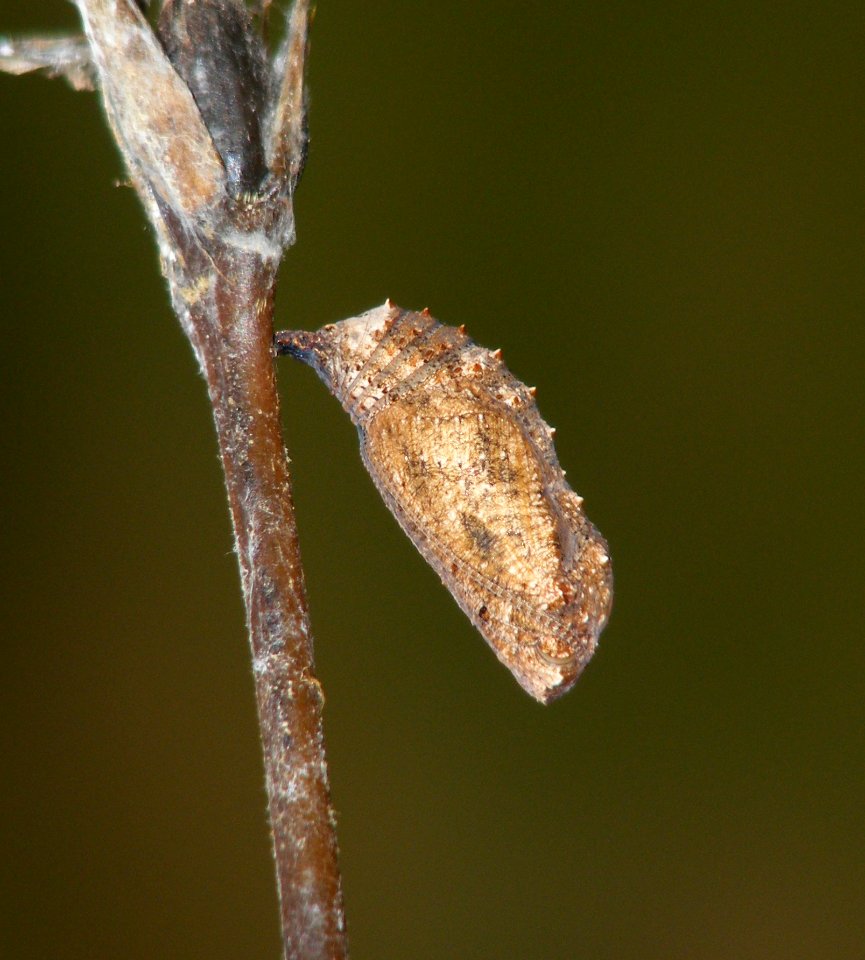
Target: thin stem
x=231 y=328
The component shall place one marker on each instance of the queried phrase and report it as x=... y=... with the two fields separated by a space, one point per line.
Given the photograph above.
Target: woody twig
x=213 y=133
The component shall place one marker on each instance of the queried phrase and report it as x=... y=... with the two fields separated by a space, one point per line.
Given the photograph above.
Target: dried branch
x=214 y=135
x=67 y=57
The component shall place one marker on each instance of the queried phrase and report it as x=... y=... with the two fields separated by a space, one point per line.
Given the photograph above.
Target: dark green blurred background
x=658 y=212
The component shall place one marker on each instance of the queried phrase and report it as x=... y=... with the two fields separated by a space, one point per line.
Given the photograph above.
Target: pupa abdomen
x=457 y=449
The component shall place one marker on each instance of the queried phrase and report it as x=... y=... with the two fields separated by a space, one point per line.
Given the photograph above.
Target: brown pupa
x=457 y=448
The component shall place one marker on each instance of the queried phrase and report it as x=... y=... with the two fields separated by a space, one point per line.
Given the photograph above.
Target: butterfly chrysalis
x=457 y=448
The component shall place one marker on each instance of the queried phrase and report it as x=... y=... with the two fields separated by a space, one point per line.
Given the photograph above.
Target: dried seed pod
x=461 y=456
x=219 y=55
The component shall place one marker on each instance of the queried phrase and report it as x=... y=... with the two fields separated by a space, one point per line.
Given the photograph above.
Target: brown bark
x=232 y=333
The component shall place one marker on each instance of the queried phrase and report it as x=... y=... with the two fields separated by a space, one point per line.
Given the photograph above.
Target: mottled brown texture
x=167 y=148
x=461 y=456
